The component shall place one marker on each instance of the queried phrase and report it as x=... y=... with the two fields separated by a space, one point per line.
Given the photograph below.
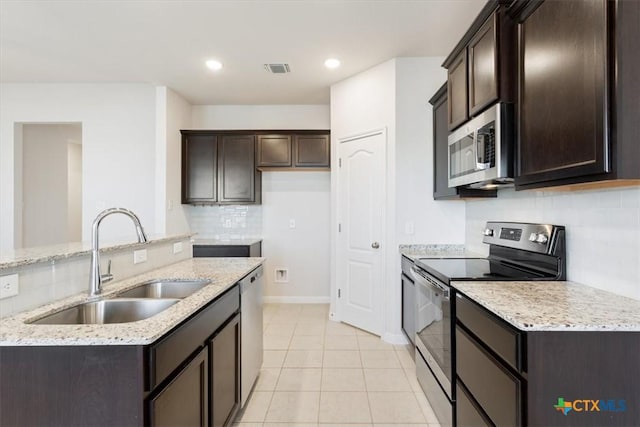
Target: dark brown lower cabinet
x=183 y=402
x=224 y=360
x=510 y=377
x=468 y=413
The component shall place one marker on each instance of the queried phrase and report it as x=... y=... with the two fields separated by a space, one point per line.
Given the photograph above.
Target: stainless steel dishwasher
x=251 y=331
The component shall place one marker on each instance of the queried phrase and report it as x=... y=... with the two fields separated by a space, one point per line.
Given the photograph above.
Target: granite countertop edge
x=84 y=249
x=436 y=250
x=226 y=242
x=223 y=273
x=554 y=305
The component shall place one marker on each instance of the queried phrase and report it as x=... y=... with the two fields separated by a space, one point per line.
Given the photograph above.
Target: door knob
x=375 y=245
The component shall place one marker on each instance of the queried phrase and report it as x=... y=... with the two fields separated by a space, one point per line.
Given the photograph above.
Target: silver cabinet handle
x=375 y=245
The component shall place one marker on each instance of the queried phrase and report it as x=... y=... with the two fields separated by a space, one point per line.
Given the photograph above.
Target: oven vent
x=277 y=68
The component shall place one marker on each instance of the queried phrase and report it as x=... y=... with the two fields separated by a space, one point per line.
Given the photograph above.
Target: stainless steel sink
x=170 y=288
x=118 y=310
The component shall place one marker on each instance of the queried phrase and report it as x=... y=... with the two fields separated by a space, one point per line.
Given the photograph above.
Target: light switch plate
x=139 y=256
x=9 y=286
x=177 y=247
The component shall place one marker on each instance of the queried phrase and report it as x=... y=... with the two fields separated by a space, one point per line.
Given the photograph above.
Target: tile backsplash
x=225 y=222
x=44 y=282
x=603 y=230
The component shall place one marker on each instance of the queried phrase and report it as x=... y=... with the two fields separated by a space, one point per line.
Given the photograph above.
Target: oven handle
x=429 y=283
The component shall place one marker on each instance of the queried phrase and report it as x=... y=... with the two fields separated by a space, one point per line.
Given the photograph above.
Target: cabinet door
x=457 y=90
x=224 y=354
x=563 y=81
x=483 y=65
x=441 y=188
x=274 y=150
x=408 y=307
x=199 y=168
x=237 y=169
x=184 y=401
x=312 y=151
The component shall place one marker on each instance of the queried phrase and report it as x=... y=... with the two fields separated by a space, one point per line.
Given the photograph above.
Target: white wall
x=394 y=95
x=303 y=196
x=603 y=230
x=48 y=159
x=304 y=250
x=417 y=79
x=118 y=133
x=173 y=113
x=275 y=117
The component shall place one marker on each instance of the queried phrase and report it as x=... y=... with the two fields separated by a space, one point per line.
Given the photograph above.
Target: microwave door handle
x=479 y=148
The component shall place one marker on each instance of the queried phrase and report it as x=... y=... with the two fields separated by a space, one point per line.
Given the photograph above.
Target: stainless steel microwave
x=480 y=151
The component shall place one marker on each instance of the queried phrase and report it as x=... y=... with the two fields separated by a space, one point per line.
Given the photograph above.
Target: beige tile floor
x=317 y=373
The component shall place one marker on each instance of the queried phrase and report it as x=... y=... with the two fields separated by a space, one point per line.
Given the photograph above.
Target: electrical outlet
x=139 y=256
x=8 y=286
x=408 y=227
x=292 y=223
x=177 y=247
x=281 y=275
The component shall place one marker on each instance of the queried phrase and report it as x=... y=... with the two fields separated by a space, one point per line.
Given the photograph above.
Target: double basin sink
x=138 y=303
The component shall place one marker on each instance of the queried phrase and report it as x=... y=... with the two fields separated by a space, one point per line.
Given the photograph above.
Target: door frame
x=337 y=311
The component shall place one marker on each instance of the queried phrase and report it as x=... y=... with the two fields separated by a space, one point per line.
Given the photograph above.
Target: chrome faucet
x=95 y=278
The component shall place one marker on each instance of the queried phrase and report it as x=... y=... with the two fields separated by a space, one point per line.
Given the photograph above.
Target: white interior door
x=361 y=192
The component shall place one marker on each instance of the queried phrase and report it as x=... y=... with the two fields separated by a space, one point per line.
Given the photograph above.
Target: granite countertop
x=26 y=256
x=415 y=252
x=223 y=273
x=554 y=306
x=227 y=242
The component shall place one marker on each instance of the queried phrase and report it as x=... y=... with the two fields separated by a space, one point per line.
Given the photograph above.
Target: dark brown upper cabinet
x=579 y=92
x=481 y=68
x=199 y=169
x=457 y=91
x=274 y=151
x=312 y=151
x=219 y=168
x=237 y=175
x=295 y=150
x=441 y=190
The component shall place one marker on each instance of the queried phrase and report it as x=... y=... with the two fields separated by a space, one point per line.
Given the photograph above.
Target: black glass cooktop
x=477 y=269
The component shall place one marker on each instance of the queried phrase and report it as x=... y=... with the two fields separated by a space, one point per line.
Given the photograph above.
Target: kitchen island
x=180 y=366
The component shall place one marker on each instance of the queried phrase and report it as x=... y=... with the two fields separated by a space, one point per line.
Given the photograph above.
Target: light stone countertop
x=26 y=256
x=226 y=242
x=415 y=252
x=223 y=273
x=554 y=306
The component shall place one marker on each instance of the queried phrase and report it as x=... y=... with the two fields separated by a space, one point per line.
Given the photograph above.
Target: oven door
x=433 y=326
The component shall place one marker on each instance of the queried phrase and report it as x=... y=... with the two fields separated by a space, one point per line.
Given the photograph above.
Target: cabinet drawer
x=467 y=413
x=495 y=389
x=505 y=341
x=166 y=355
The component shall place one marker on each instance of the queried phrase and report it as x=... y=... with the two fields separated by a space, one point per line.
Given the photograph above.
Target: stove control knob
x=533 y=237
x=488 y=232
x=542 y=238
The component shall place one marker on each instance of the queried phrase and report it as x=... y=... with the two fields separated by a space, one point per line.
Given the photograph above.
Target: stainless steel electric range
x=517 y=252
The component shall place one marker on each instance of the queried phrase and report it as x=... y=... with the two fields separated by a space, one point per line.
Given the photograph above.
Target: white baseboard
x=296 y=300
x=395 y=339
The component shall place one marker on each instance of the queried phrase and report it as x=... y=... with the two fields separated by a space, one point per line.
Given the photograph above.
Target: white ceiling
x=167 y=42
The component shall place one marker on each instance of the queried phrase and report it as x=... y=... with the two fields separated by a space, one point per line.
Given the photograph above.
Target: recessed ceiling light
x=214 y=65
x=332 y=63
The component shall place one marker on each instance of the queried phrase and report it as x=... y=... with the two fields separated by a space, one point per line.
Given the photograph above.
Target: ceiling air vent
x=277 y=68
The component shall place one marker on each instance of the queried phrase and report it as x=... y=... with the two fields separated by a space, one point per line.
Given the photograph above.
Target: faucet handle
x=104 y=278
